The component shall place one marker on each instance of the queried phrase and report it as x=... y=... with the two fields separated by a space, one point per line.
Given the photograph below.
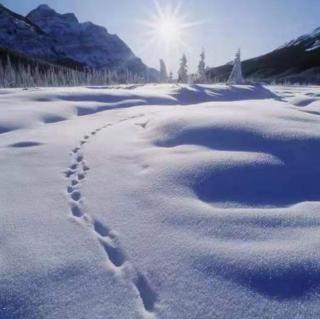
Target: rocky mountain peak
x=54 y=37
x=47 y=18
x=44 y=7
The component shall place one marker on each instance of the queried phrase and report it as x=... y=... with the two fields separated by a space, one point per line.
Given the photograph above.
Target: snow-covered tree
x=236 y=76
x=9 y=74
x=23 y=74
x=170 y=79
x=202 y=68
x=163 y=72
x=183 y=70
x=2 y=74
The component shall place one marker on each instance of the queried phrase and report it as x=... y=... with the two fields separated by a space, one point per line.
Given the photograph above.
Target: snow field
x=160 y=202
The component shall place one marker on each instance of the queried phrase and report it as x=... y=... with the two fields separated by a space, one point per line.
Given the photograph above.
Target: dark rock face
x=20 y=34
x=86 y=43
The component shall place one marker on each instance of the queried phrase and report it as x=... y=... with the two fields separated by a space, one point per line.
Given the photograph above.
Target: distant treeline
x=21 y=71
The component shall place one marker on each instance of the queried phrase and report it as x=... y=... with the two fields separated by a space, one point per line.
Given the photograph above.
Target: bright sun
x=167 y=26
x=169 y=29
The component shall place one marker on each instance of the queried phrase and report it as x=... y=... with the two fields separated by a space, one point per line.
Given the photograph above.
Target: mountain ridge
x=297 y=61
x=56 y=38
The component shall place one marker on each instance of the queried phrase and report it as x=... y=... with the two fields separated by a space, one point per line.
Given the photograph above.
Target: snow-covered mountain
x=56 y=37
x=296 y=61
x=20 y=34
x=308 y=41
x=85 y=42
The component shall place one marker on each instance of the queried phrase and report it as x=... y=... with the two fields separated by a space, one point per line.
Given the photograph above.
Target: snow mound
x=203 y=93
x=53 y=105
x=255 y=161
x=302 y=100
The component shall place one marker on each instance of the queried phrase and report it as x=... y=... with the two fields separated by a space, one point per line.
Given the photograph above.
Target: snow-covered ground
x=160 y=202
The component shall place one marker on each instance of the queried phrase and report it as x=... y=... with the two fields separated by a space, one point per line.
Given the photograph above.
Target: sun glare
x=168 y=26
x=169 y=29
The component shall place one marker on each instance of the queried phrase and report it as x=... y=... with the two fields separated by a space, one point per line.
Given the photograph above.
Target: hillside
x=297 y=61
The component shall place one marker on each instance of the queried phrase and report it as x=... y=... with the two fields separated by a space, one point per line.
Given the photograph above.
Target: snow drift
x=131 y=202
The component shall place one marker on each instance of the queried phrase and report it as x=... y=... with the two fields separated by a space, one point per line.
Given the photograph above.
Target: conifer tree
x=170 y=79
x=183 y=70
x=9 y=74
x=23 y=74
x=202 y=68
x=236 y=76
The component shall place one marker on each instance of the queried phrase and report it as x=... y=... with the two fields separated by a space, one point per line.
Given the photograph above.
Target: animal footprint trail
x=114 y=253
x=77 y=174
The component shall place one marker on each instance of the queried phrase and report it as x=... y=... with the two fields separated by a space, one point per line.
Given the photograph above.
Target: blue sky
x=256 y=26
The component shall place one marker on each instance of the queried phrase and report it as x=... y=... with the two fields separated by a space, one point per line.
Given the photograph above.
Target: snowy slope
x=160 y=202
x=298 y=61
x=309 y=41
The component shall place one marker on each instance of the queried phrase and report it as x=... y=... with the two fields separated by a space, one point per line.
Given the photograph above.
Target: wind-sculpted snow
x=160 y=202
x=201 y=93
x=52 y=105
x=256 y=160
